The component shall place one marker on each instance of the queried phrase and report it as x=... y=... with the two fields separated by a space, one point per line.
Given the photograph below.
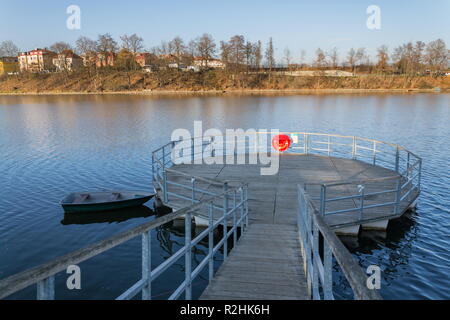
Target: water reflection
x=112 y=216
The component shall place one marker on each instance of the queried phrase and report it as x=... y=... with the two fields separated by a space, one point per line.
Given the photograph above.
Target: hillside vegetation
x=104 y=80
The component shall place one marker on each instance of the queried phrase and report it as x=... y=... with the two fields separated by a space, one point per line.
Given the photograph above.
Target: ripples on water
x=50 y=146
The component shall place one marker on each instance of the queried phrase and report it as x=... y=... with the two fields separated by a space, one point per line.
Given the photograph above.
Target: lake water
x=52 y=145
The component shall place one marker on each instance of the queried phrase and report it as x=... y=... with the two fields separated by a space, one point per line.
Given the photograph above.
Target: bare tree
x=132 y=43
x=106 y=46
x=206 y=47
x=354 y=57
x=287 y=56
x=320 y=60
x=237 y=50
x=383 y=58
x=8 y=49
x=437 y=55
x=87 y=48
x=302 y=57
x=60 y=46
x=270 y=55
x=258 y=54
x=333 y=55
x=84 y=45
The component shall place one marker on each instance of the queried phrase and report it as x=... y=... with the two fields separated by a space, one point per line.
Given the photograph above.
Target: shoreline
x=231 y=92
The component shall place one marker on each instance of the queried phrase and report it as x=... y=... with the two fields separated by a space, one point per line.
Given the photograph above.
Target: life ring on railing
x=281 y=142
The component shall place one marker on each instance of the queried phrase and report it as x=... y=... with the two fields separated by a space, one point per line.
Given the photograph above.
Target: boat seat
x=115 y=195
x=83 y=197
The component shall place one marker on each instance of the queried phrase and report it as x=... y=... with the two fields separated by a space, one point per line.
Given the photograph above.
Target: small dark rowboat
x=104 y=201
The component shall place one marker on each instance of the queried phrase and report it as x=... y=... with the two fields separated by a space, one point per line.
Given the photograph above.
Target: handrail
x=47 y=270
x=319 y=270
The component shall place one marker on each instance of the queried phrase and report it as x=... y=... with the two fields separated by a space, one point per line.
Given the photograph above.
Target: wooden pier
x=268 y=258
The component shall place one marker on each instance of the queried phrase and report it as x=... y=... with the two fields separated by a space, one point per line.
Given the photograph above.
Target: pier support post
x=188 y=255
x=211 y=242
x=46 y=289
x=225 y=220
x=147 y=265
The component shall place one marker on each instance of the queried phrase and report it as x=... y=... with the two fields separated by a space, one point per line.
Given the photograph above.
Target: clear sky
x=295 y=24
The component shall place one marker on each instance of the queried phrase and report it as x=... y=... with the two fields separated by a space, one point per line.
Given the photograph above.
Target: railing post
x=46 y=289
x=192 y=150
x=193 y=190
x=153 y=166
x=241 y=196
x=225 y=221
x=315 y=257
x=329 y=145
x=354 y=148
x=234 y=220
x=147 y=265
x=374 y=152
x=397 y=159
x=188 y=255
x=408 y=164
x=327 y=272
x=398 y=194
x=420 y=174
x=361 y=203
x=323 y=194
x=246 y=206
x=211 y=242
x=165 y=195
x=306 y=138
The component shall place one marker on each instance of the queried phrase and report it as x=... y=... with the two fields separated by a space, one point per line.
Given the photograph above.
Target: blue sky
x=295 y=24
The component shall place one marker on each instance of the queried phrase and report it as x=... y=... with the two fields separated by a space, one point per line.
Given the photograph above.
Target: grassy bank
x=173 y=81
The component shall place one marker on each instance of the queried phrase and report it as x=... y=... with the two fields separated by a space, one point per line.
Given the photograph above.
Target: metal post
x=193 y=190
x=397 y=159
x=315 y=256
x=46 y=289
x=306 y=138
x=246 y=206
x=211 y=242
x=361 y=204
x=241 y=193
x=147 y=265
x=323 y=194
x=225 y=221
x=192 y=150
x=408 y=164
x=354 y=148
x=398 y=195
x=234 y=220
x=165 y=195
x=420 y=174
x=188 y=255
x=329 y=145
x=327 y=272
x=374 y=152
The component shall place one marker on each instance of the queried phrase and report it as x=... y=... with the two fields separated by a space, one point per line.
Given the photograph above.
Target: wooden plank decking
x=266 y=264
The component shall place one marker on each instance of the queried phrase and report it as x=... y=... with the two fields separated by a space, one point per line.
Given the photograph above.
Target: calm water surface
x=50 y=146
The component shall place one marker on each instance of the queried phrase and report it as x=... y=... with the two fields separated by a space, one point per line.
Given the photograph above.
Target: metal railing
x=236 y=211
x=356 y=196
x=319 y=245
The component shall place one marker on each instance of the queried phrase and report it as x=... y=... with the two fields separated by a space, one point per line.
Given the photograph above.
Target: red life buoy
x=281 y=142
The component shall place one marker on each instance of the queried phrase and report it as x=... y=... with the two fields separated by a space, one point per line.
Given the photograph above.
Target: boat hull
x=105 y=206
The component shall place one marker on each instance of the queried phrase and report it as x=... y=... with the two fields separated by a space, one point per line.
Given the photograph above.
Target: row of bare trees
x=240 y=54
